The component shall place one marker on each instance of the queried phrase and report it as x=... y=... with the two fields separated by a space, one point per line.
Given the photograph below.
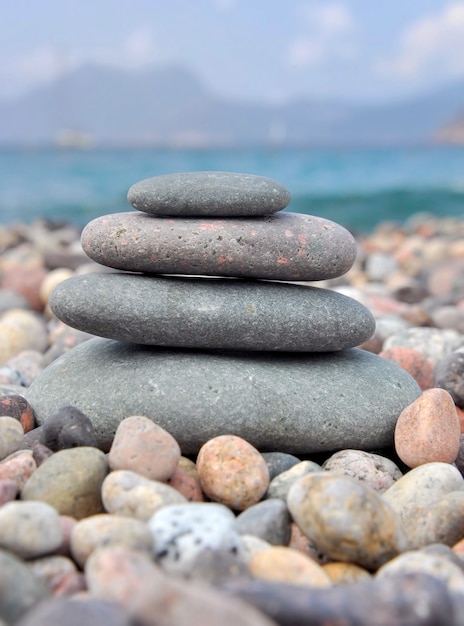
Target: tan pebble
x=11 y=436
x=18 y=468
x=345 y=573
x=21 y=330
x=142 y=446
x=414 y=362
x=428 y=430
x=232 y=472
x=285 y=565
x=51 y=280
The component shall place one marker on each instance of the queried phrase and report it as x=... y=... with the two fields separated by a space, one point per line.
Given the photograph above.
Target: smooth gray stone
x=212 y=313
x=283 y=246
x=227 y=194
x=292 y=402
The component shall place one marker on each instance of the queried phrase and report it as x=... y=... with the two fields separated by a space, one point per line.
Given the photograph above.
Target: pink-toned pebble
x=25 y=279
x=142 y=446
x=414 y=362
x=19 y=468
x=428 y=430
x=460 y=414
x=68 y=584
x=232 y=472
x=67 y=524
x=186 y=480
x=9 y=489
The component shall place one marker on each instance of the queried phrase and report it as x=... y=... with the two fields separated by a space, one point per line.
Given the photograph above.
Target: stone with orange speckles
x=232 y=472
x=282 y=246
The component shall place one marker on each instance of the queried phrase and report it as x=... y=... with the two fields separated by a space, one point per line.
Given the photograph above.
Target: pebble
x=182 y=532
x=278 y=462
x=18 y=468
x=341 y=573
x=141 y=446
x=29 y=529
x=186 y=481
x=378 y=472
x=282 y=246
x=289 y=566
x=9 y=489
x=28 y=364
x=18 y=407
x=280 y=485
x=250 y=545
x=21 y=330
x=52 y=568
x=449 y=375
x=11 y=436
x=268 y=520
x=434 y=343
x=20 y=589
x=299 y=541
x=133 y=581
x=232 y=472
x=216 y=313
x=442 y=522
x=212 y=194
x=129 y=494
x=51 y=280
x=414 y=362
x=284 y=398
x=347 y=520
x=416 y=492
x=105 y=530
x=82 y=611
x=70 y=481
x=67 y=428
x=425 y=563
x=428 y=430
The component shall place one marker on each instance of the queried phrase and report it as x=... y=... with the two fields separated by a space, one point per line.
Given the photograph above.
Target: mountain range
x=170 y=106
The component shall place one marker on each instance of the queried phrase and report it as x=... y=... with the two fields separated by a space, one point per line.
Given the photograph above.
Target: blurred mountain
x=170 y=107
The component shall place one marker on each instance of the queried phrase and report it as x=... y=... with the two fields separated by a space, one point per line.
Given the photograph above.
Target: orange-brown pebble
x=428 y=430
x=458 y=547
x=414 y=362
x=186 y=480
x=18 y=407
x=282 y=564
x=344 y=573
x=232 y=472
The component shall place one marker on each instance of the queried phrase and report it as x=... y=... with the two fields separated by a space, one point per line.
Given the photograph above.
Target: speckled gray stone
x=293 y=402
x=209 y=193
x=283 y=246
x=212 y=313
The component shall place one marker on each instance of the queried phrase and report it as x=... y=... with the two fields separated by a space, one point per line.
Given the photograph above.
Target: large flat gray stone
x=211 y=313
x=227 y=194
x=283 y=246
x=291 y=402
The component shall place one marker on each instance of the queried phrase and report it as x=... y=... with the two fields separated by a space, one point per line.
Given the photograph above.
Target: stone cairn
x=204 y=328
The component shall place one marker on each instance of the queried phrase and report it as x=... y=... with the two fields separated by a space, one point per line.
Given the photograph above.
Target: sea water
x=358 y=188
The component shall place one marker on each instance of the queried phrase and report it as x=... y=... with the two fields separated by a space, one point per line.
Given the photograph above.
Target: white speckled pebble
x=418 y=489
x=182 y=532
x=11 y=436
x=127 y=493
x=372 y=469
x=29 y=529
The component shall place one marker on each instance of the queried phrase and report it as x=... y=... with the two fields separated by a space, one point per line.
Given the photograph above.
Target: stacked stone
x=207 y=332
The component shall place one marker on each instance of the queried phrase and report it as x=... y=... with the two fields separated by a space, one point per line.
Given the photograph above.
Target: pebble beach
x=145 y=530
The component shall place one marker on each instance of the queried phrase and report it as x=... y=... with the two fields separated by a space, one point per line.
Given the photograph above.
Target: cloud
x=329 y=30
x=431 y=46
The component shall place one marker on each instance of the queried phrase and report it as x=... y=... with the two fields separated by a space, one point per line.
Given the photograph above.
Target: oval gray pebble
x=216 y=194
x=268 y=520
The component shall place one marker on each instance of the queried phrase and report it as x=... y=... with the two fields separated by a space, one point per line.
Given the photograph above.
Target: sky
x=255 y=50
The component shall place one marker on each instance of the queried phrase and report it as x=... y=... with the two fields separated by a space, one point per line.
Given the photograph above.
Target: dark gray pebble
x=268 y=520
x=278 y=462
x=67 y=428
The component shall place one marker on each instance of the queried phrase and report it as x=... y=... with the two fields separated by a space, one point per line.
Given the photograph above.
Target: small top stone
x=226 y=194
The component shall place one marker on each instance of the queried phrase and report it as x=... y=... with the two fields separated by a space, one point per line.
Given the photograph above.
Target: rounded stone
x=280 y=485
x=347 y=520
x=414 y=362
x=18 y=467
x=213 y=194
x=67 y=428
x=51 y=280
x=11 y=436
x=180 y=533
x=144 y=447
x=106 y=530
x=268 y=520
x=129 y=494
x=441 y=523
x=186 y=481
x=449 y=375
x=70 y=481
x=18 y=407
x=345 y=573
x=371 y=469
x=232 y=472
x=296 y=403
x=428 y=430
x=283 y=246
x=214 y=313
x=21 y=330
x=285 y=565
x=29 y=529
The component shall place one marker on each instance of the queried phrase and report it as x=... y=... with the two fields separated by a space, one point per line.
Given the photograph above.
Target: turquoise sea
x=356 y=187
